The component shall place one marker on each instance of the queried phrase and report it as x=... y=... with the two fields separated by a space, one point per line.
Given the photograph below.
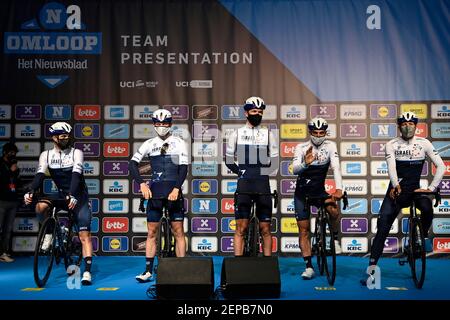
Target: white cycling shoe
x=144 y=277
x=87 y=278
x=308 y=274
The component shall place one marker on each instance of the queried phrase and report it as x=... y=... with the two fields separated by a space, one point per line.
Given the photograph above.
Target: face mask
x=11 y=159
x=254 y=119
x=63 y=143
x=317 y=140
x=162 y=131
x=408 y=132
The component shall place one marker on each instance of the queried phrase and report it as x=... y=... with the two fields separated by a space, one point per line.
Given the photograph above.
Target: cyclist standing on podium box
x=168 y=156
x=256 y=150
x=405 y=156
x=311 y=162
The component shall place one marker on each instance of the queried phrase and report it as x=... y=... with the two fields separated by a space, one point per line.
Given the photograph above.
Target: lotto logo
x=87 y=112
x=116 y=149
x=115 y=225
x=288 y=149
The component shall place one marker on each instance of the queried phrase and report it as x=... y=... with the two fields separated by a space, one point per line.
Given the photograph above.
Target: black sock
x=308 y=262
x=149 y=264
x=87 y=264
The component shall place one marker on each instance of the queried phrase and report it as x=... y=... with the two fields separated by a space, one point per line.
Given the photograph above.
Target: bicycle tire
x=318 y=245
x=40 y=281
x=417 y=252
x=328 y=256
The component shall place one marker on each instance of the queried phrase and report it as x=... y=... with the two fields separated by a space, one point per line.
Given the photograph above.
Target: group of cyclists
x=251 y=154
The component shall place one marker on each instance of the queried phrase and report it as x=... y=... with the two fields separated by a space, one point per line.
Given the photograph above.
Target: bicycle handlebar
x=436 y=194
x=58 y=203
x=274 y=194
x=344 y=199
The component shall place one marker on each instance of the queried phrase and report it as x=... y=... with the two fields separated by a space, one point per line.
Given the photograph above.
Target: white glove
x=28 y=197
x=72 y=202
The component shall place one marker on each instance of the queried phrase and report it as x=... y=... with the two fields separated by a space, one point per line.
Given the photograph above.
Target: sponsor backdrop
x=105 y=66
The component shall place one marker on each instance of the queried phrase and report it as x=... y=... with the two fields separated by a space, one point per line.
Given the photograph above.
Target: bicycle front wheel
x=417 y=254
x=44 y=252
x=328 y=251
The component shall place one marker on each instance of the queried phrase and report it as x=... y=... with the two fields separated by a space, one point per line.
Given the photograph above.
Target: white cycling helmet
x=407 y=116
x=318 y=124
x=254 y=103
x=60 y=128
x=162 y=115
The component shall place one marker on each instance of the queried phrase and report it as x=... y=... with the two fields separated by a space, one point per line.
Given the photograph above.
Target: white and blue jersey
x=405 y=159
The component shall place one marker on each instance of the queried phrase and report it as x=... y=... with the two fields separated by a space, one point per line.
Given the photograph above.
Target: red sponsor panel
x=227 y=206
x=447 y=168
x=441 y=245
x=422 y=130
x=87 y=112
x=115 y=225
x=330 y=186
x=116 y=149
x=274 y=245
x=287 y=149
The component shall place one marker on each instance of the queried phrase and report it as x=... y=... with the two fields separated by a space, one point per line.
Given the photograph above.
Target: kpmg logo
x=116 y=131
x=440 y=130
x=325 y=111
x=355 y=206
x=115 y=168
x=87 y=131
x=440 y=111
x=354 y=225
x=383 y=130
x=204 y=206
x=233 y=112
x=353 y=130
x=28 y=112
x=28 y=131
x=58 y=112
x=144 y=112
x=355 y=187
x=353 y=149
x=383 y=111
x=290 y=244
x=204 y=225
x=5 y=112
x=117 y=112
x=28 y=168
x=90 y=149
x=293 y=112
x=353 y=111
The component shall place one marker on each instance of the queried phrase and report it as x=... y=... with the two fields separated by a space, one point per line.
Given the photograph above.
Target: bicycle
x=416 y=241
x=252 y=238
x=61 y=246
x=326 y=255
x=165 y=243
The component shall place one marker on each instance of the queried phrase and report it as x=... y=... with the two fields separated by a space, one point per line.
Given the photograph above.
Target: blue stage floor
x=114 y=276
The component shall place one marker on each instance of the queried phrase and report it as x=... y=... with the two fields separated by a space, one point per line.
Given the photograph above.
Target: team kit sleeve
x=42 y=169
x=230 y=153
x=136 y=159
x=298 y=163
x=183 y=164
x=77 y=171
x=336 y=165
x=440 y=166
x=392 y=168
